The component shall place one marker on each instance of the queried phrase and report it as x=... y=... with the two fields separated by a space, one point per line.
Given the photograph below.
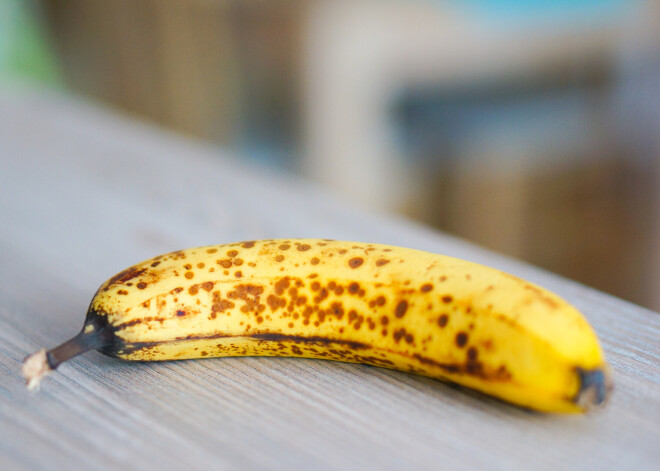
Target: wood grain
x=85 y=193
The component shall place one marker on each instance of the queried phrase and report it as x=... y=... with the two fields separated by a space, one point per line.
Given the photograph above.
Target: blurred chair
x=361 y=56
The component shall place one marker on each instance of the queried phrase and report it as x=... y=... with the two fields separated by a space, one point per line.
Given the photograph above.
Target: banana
x=380 y=305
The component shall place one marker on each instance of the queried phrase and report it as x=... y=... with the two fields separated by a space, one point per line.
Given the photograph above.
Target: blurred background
x=529 y=127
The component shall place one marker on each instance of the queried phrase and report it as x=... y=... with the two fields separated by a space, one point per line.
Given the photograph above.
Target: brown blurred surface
x=575 y=221
x=199 y=67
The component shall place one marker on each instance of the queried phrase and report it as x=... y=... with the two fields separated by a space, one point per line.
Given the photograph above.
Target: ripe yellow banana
x=357 y=302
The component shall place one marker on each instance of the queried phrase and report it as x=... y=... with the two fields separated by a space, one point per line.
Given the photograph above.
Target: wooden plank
x=85 y=193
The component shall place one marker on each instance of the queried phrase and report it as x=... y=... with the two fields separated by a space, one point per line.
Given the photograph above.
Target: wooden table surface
x=85 y=193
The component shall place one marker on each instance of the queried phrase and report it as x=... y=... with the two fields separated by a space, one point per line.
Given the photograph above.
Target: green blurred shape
x=25 y=55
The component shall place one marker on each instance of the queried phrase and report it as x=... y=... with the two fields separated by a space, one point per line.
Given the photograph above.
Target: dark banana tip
x=595 y=387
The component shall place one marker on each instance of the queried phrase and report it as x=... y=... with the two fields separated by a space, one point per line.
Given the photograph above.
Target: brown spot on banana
x=401 y=309
x=123 y=277
x=355 y=262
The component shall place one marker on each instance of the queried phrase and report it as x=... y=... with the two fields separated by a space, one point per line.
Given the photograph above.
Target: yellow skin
x=386 y=306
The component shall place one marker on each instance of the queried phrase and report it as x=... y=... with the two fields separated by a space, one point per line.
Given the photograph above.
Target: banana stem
x=69 y=349
x=38 y=365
